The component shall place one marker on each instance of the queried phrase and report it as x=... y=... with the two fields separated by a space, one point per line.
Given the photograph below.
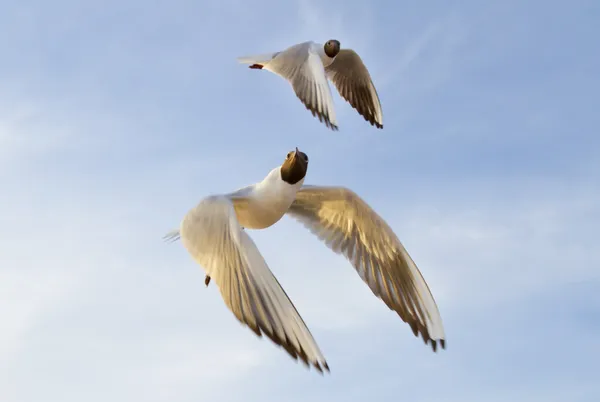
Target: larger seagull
x=307 y=66
x=213 y=233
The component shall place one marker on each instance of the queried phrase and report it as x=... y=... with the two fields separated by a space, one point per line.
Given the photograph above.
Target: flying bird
x=307 y=66
x=213 y=232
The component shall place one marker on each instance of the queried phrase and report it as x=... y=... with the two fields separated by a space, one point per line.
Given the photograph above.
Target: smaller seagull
x=307 y=66
x=213 y=234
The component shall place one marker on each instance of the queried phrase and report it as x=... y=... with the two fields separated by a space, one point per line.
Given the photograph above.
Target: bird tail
x=172 y=236
x=257 y=58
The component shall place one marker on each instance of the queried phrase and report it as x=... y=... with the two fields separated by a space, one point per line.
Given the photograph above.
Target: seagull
x=214 y=234
x=307 y=66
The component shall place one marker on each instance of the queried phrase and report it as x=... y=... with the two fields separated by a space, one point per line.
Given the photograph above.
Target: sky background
x=117 y=117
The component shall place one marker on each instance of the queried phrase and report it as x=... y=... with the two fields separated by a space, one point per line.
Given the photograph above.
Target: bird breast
x=260 y=214
x=268 y=201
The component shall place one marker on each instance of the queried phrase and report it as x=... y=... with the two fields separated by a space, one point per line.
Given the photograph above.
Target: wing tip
x=374 y=122
x=320 y=365
x=298 y=354
x=323 y=118
x=434 y=344
x=427 y=339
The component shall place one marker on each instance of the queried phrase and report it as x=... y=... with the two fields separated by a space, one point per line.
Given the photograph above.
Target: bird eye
x=305 y=158
x=288 y=155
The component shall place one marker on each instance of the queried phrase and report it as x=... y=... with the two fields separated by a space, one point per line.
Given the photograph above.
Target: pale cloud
x=26 y=129
x=27 y=297
x=421 y=63
x=352 y=24
x=507 y=253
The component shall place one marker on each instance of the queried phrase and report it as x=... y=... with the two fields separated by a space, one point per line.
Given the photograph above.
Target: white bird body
x=261 y=205
x=213 y=233
x=308 y=66
x=268 y=60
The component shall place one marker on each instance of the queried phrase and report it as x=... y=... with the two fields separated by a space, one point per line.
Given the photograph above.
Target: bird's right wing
x=301 y=65
x=213 y=236
x=353 y=81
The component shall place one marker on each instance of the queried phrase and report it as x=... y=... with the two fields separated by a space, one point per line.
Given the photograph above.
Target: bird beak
x=295 y=155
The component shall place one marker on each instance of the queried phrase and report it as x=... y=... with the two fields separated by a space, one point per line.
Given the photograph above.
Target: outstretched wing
x=213 y=236
x=353 y=81
x=349 y=226
x=302 y=67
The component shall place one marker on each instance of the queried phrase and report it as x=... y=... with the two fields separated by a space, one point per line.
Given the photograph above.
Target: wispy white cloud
x=25 y=130
x=426 y=59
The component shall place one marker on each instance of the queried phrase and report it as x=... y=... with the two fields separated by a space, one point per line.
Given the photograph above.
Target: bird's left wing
x=347 y=225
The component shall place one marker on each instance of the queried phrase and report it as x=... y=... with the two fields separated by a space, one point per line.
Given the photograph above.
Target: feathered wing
x=349 y=226
x=213 y=236
x=353 y=81
x=302 y=67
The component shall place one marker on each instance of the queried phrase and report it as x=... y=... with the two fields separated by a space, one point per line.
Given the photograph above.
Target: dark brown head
x=332 y=48
x=293 y=169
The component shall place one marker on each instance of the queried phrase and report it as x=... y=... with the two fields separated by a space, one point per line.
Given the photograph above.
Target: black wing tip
x=416 y=330
x=369 y=118
x=434 y=344
x=374 y=123
x=321 y=367
x=295 y=354
x=323 y=118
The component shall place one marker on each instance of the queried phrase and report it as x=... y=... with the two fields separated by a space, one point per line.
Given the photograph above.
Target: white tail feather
x=172 y=236
x=257 y=58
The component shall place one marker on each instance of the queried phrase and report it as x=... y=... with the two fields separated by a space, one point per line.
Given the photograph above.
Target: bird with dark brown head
x=294 y=167
x=332 y=48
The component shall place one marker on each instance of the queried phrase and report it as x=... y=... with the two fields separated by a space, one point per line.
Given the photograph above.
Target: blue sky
x=117 y=117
